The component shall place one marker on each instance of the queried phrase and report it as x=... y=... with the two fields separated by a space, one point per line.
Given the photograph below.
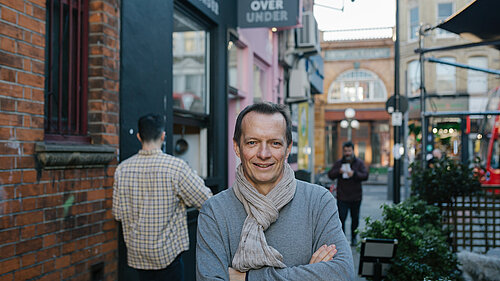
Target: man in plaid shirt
x=150 y=194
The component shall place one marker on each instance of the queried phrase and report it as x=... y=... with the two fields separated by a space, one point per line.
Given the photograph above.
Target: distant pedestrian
x=349 y=171
x=268 y=225
x=150 y=194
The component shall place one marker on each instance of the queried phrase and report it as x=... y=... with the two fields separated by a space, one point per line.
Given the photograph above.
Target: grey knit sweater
x=304 y=224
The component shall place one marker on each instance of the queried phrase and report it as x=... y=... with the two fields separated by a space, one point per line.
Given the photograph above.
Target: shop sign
x=268 y=13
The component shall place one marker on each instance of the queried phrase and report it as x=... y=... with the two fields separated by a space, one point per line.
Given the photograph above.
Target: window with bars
x=66 y=70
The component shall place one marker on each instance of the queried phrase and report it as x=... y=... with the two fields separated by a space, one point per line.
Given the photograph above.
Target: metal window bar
x=66 y=87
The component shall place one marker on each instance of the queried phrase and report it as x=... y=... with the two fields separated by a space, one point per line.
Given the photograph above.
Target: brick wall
x=54 y=224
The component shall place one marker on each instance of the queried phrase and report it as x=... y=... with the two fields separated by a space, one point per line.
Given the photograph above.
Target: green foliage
x=422 y=248
x=443 y=180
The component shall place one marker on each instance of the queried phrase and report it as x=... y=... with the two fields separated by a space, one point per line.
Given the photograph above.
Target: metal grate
x=474 y=221
x=67 y=62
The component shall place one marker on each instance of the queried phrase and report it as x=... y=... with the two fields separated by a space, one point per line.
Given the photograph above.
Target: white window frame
x=446 y=73
x=441 y=33
x=369 y=77
x=413 y=78
x=475 y=77
x=413 y=34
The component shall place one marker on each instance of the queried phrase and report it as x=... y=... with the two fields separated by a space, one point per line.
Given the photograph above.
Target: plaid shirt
x=150 y=194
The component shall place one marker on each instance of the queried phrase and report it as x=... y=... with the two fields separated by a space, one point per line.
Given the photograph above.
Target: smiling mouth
x=263 y=165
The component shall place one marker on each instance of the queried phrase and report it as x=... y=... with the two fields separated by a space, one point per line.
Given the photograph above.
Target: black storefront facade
x=173 y=62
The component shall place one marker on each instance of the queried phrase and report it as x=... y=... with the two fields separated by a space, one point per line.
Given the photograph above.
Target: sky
x=357 y=14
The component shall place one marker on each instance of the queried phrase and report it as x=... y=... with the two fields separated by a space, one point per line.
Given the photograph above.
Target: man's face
x=348 y=152
x=263 y=149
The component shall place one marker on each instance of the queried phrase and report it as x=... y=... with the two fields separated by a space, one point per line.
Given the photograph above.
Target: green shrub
x=422 y=248
x=446 y=179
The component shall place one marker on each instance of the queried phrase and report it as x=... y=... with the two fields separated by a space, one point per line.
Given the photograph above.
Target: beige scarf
x=262 y=210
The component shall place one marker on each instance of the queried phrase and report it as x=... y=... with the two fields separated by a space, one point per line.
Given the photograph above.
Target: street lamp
x=349 y=122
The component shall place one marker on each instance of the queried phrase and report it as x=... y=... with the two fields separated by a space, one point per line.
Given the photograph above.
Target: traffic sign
x=390 y=104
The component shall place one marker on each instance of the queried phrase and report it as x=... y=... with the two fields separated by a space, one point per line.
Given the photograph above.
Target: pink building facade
x=254 y=75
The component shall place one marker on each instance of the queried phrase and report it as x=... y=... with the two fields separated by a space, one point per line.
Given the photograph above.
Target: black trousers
x=173 y=272
x=353 y=207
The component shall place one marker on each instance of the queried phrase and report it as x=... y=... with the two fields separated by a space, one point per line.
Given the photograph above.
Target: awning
x=478 y=21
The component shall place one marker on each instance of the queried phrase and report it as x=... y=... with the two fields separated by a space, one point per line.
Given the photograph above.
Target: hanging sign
x=268 y=13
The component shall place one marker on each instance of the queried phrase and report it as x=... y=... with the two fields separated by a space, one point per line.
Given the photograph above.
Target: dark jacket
x=349 y=189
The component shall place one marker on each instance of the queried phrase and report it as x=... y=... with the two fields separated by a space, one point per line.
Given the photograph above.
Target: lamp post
x=349 y=122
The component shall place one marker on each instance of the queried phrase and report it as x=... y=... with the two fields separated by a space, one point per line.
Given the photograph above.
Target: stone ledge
x=65 y=156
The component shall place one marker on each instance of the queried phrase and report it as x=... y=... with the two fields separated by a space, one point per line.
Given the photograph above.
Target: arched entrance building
x=359 y=74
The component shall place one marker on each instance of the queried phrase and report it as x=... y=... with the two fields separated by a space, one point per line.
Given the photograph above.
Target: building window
x=477 y=81
x=413 y=78
x=444 y=10
x=66 y=71
x=259 y=80
x=446 y=76
x=235 y=65
x=190 y=69
x=357 y=86
x=414 y=24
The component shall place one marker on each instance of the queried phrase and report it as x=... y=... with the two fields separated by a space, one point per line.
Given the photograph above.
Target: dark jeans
x=344 y=207
x=173 y=272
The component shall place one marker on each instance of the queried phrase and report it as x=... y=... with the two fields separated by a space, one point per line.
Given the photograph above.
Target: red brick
x=10 y=148
x=30 y=107
x=18 y=5
x=29 y=218
x=32 y=24
x=29 y=204
x=8 y=75
x=96 y=195
x=29 y=190
x=7 y=104
x=51 y=201
x=6 y=222
x=8 y=45
x=9 y=265
x=26 y=65
x=28 y=8
x=29 y=176
x=38 y=40
x=10 y=177
x=28 y=246
x=8 y=236
x=30 y=51
x=10 y=90
x=28 y=232
x=68 y=272
x=11 y=31
x=51 y=277
x=10 y=206
x=30 y=79
x=49 y=227
x=37 y=95
x=27 y=162
x=49 y=266
x=9 y=120
x=7 y=163
x=49 y=240
x=47 y=254
x=29 y=134
x=28 y=259
x=7 y=277
x=69 y=247
x=37 y=67
x=7 y=251
x=28 y=273
x=39 y=13
x=10 y=59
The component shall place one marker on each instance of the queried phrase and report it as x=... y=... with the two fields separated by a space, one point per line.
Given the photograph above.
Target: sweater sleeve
x=328 y=230
x=335 y=171
x=360 y=171
x=212 y=252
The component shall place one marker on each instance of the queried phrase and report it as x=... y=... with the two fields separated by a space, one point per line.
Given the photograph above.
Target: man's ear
x=288 y=150
x=163 y=136
x=139 y=137
x=236 y=148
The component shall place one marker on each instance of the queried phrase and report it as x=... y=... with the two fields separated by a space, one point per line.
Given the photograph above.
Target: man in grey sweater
x=268 y=225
